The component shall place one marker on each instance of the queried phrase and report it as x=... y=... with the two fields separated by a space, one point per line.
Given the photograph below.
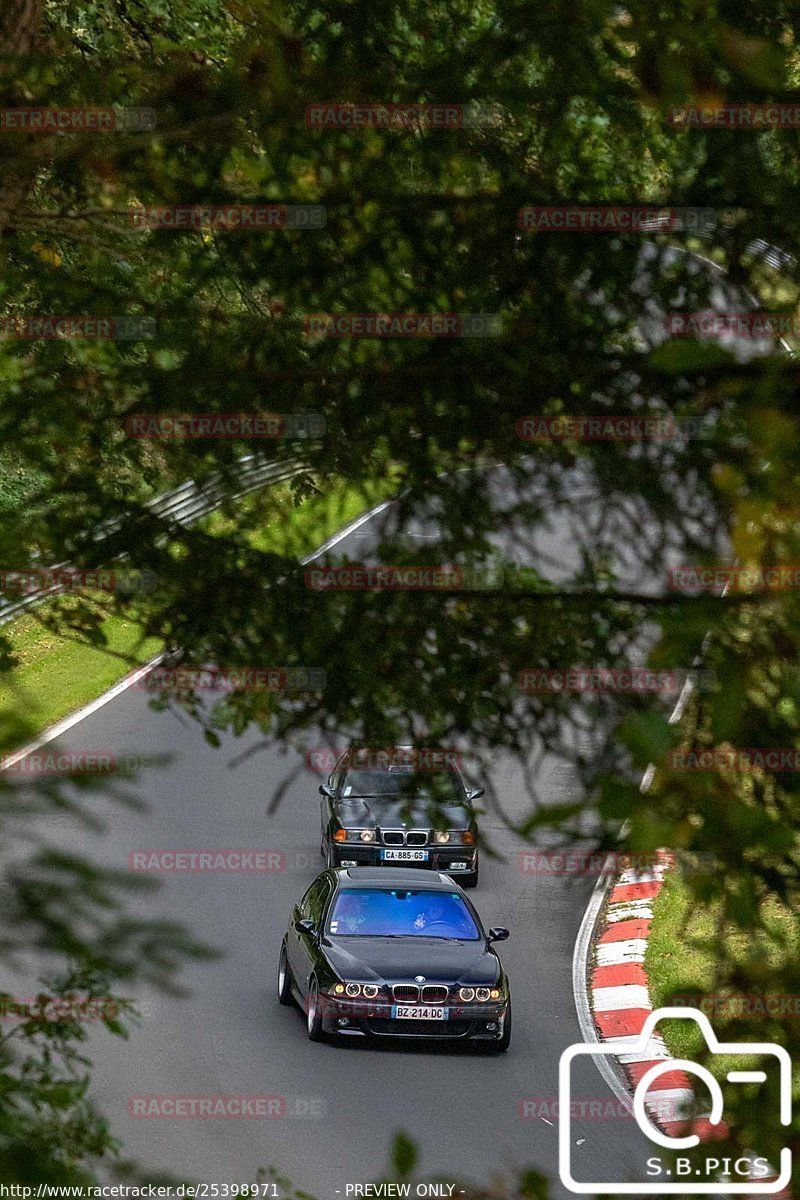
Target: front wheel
x=285 y=996
x=314 y=1013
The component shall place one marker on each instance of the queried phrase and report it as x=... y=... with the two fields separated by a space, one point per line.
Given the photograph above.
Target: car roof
x=385 y=772
x=447 y=765
x=406 y=877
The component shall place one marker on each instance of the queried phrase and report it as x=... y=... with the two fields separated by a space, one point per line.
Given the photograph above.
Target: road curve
x=473 y=1117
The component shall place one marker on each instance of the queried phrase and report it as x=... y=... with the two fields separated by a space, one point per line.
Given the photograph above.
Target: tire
x=285 y=995
x=313 y=1014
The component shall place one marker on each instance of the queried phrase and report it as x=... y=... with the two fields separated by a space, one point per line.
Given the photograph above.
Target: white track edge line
x=53 y=731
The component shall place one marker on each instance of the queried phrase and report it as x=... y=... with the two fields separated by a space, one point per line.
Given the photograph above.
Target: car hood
x=391 y=813
x=391 y=959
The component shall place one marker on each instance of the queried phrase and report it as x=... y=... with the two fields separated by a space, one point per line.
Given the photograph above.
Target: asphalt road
x=474 y=1117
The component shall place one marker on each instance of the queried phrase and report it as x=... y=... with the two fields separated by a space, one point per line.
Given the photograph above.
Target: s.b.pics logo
x=660 y=1080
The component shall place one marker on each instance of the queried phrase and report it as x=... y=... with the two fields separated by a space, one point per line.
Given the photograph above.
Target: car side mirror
x=498 y=934
x=476 y=793
x=326 y=790
x=306 y=926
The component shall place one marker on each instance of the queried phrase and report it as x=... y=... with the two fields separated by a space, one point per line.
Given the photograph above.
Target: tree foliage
x=425 y=220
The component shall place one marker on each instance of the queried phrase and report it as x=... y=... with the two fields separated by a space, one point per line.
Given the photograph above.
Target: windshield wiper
x=374 y=796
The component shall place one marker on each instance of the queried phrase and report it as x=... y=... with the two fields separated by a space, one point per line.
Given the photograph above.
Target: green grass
x=685 y=946
x=56 y=674
x=18 y=483
x=778 y=294
x=272 y=521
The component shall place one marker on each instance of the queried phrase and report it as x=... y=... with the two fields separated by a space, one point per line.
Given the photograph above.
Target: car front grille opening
x=406 y=993
x=434 y=994
x=416 y=839
x=392 y=837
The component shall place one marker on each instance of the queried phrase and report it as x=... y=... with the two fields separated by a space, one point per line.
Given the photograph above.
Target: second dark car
x=392 y=813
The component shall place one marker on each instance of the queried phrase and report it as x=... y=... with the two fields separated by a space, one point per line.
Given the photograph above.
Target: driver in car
x=352 y=916
x=437 y=918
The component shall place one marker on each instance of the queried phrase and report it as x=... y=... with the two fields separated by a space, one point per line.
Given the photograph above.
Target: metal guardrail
x=183 y=505
x=779 y=259
x=190 y=502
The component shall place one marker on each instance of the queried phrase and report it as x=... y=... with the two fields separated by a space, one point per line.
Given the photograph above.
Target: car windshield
x=362 y=912
x=400 y=782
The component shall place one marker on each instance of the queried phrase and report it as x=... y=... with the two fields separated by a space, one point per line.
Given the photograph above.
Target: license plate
x=404 y=855
x=418 y=1012
x=458 y=866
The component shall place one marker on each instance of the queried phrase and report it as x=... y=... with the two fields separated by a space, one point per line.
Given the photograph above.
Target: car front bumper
x=373 y=1018
x=455 y=860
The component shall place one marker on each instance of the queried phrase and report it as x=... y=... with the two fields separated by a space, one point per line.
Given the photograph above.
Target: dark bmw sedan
x=389 y=952
x=404 y=812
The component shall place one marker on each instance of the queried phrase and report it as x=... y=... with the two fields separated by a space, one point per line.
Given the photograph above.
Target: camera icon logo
x=641 y=1049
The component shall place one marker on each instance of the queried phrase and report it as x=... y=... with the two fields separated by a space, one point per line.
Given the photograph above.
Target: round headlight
x=353 y=989
x=466 y=993
x=368 y=835
x=495 y=993
x=338 y=989
x=370 y=991
x=441 y=836
x=482 y=994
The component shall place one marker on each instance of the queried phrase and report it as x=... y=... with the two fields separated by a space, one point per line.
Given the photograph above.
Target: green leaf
x=688 y=357
x=648 y=736
x=403 y=1155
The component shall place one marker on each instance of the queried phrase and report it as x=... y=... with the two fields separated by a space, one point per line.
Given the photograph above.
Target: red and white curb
x=618 y=997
